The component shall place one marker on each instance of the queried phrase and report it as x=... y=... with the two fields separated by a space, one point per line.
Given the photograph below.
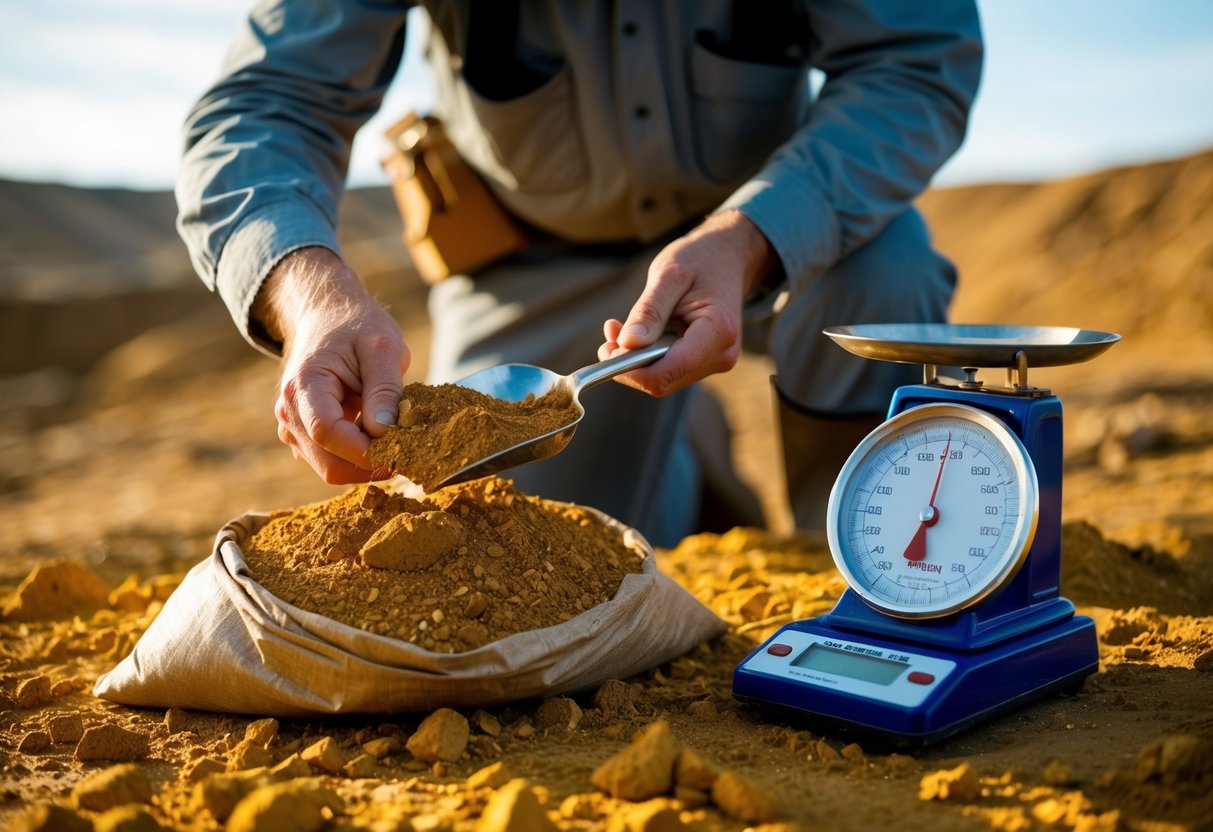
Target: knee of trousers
x=895 y=278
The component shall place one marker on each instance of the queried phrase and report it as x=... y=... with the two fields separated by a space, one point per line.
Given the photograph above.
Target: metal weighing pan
x=973 y=345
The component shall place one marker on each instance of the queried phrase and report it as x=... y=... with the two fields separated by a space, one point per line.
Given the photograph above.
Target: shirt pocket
x=531 y=144
x=741 y=111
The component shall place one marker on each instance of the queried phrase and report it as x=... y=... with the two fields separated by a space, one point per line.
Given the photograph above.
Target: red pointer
x=929 y=516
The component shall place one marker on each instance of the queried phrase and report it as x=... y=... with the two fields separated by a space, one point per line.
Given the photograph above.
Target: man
x=610 y=130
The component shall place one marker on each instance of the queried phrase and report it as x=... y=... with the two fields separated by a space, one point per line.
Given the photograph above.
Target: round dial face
x=933 y=511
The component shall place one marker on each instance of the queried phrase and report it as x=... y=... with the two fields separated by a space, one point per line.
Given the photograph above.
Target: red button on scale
x=779 y=649
x=920 y=678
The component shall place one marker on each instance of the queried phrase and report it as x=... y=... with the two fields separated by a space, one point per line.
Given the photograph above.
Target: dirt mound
x=455 y=570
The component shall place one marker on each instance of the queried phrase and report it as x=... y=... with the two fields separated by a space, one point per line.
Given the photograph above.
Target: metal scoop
x=514 y=382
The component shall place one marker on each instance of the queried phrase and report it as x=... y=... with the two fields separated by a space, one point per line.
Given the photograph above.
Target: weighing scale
x=945 y=522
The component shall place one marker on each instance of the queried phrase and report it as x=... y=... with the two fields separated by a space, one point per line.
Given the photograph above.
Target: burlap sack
x=224 y=643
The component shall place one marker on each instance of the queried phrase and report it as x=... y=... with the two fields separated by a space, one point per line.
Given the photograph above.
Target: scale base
x=962 y=688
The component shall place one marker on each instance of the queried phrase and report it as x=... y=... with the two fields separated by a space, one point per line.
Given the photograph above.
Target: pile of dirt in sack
x=454 y=570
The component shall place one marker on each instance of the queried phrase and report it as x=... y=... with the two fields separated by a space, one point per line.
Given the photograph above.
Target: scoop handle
x=597 y=373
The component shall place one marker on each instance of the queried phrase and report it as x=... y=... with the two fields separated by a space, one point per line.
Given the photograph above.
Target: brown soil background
x=133 y=425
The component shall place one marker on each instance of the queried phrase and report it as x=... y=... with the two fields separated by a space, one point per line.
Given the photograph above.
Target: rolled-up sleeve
x=267 y=147
x=900 y=80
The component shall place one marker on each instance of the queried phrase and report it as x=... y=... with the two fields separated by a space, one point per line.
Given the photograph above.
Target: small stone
x=296 y=805
x=248 y=754
x=703 y=710
x=475 y=605
x=616 y=699
x=50 y=817
x=1204 y=662
x=1059 y=774
x=693 y=771
x=691 y=798
x=34 y=741
x=129 y=818
x=642 y=770
x=492 y=776
x=514 y=808
x=853 y=752
x=558 y=713
x=413 y=541
x=381 y=747
x=960 y=783
x=111 y=742
x=651 y=816
x=114 y=786
x=443 y=735
x=176 y=720
x=262 y=731
x=360 y=767
x=66 y=728
x=324 y=755
x=34 y=692
x=374 y=497
x=523 y=729
x=1174 y=758
x=743 y=799
x=486 y=723
x=203 y=768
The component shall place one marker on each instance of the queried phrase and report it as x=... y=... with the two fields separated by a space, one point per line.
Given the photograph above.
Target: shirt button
x=641 y=112
x=629 y=28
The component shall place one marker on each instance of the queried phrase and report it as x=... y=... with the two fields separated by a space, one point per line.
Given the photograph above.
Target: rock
x=1204 y=662
x=361 y=766
x=651 y=816
x=325 y=755
x=492 y=776
x=691 y=798
x=114 y=786
x=34 y=741
x=1175 y=758
x=34 y=692
x=220 y=793
x=743 y=799
x=960 y=783
x=126 y=819
x=615 y=699
x=203 y=768
x=853 y=752
x=111 y=742
x=558 y=713
x=381 y=747
x=66 y=727
x=293 y=806
x=443 y=735
x=514 y=808
x=247 y=754
x=1059 y=774
x=642 y=770
x=703 y=711
x=49 y=817
x=693 y=771
x=262 y=731
x=486 y=723
x=413 y=541
x=54 y=590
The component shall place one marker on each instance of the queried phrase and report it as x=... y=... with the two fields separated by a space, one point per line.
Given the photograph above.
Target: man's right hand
x=343 y=361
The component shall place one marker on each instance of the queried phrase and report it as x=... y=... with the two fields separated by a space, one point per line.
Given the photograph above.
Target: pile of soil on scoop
x=442 y=428
x=449 y=572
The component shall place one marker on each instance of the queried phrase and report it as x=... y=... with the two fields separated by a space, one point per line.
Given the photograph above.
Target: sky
x=94 y=93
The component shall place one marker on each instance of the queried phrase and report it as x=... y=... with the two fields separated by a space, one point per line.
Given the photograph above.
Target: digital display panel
x=852 y=665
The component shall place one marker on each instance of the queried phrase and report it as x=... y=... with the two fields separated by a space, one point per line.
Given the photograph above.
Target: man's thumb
x=382 y=387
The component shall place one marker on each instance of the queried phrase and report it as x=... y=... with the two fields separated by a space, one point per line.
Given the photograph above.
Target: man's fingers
x=684 y=364
x=648 y=316
x=315 y=415
x=382 y=361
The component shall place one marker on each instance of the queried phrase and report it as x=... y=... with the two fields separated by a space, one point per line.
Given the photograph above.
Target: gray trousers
x=630 y=456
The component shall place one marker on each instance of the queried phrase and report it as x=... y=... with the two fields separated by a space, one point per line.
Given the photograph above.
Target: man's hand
x=342 y=356
x=695 y=287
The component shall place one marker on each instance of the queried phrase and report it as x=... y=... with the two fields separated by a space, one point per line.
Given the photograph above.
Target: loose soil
x=444 y=427
x=450 y=572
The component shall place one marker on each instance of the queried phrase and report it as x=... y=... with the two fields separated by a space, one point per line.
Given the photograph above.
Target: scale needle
x=929 y=516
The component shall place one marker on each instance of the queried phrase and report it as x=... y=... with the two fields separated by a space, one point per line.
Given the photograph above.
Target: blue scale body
x=1019 y=644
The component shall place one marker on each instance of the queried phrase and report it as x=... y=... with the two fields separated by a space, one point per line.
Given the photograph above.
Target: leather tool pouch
x=452 y=222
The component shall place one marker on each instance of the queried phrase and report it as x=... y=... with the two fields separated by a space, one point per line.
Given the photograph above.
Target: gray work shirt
x=595 y=121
